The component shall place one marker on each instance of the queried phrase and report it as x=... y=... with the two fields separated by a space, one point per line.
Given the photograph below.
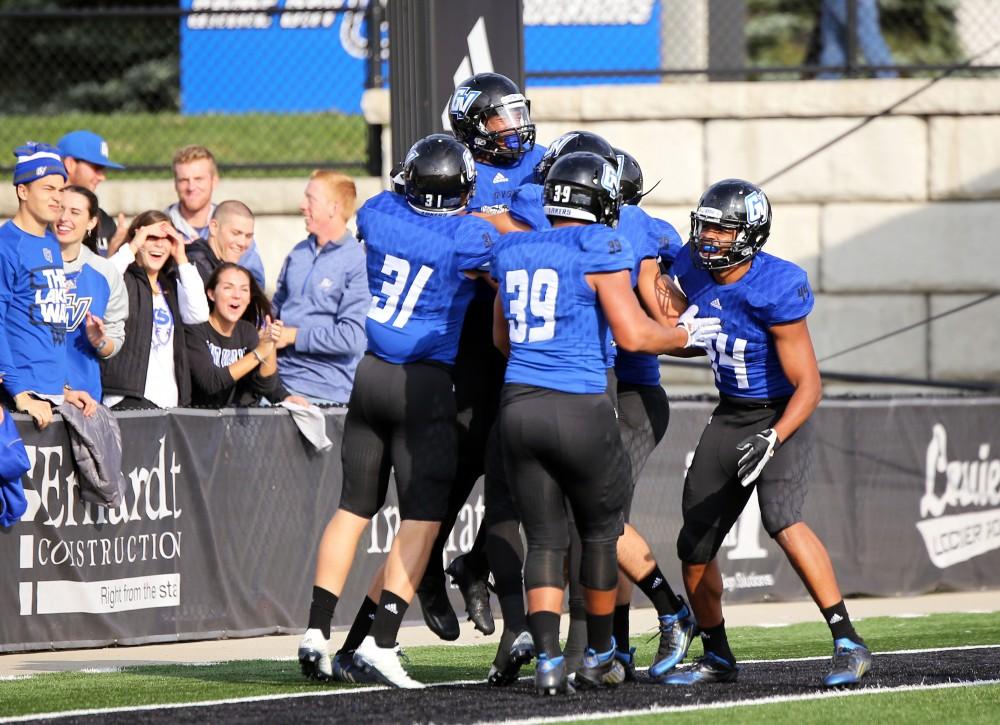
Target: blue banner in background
x=574 y=35
x=291 y=61
x=309 y=56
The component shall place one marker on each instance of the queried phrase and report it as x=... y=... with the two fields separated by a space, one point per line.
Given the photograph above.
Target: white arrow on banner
x=481 y=61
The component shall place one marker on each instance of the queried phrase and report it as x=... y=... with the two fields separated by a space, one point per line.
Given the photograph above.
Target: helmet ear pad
x=731 y=204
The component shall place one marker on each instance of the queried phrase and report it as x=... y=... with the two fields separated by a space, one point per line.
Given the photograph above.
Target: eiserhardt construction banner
x=217 y=533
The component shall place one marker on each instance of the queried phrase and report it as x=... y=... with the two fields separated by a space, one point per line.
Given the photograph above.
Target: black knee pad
x=697 y=545
x=599 y=564
x=543 y=567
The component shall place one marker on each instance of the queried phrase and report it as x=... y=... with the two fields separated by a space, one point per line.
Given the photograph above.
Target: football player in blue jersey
x=759 y=435
x=490 y=116
x=421 y=256
x=560 y=291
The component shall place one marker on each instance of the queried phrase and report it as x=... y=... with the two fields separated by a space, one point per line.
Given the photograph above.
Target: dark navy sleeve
x=785 y=294
x=474 y=242
x=526 y=206
x=668 y=240
x=604 y=250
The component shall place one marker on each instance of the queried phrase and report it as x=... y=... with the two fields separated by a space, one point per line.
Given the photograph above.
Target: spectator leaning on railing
x=164 y=290
x=97 y=302
x=231 y=363
x=322 y=296
x=33 y=291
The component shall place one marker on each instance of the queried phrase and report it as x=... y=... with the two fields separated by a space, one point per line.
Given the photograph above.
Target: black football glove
x=757 y=451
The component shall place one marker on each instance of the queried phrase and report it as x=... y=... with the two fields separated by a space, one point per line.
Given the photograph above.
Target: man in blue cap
x=85 y=156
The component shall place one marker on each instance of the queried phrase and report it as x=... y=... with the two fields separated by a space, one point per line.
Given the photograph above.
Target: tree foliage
x=61 y=62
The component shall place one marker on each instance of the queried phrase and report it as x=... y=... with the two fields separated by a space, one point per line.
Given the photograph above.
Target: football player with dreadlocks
x=759 y=434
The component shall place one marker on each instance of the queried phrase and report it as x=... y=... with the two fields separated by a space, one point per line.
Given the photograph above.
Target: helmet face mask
x=490 y=116
x=438 y=176
x=730 y=205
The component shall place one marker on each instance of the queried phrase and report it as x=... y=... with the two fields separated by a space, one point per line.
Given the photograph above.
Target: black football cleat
x=476 y=594
x=438 y=614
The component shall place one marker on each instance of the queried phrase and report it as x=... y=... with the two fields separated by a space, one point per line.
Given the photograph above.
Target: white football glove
x=701 y=331
x=757 y=451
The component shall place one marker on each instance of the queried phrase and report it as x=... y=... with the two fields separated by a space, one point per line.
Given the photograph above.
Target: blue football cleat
x=600 y=669
x=850 y=663
x=710 y=668
x=550 y=676
x=676 y=633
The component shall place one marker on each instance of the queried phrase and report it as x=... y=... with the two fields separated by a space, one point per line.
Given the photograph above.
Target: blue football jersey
x=415 y=264
x=559 y=336
x=773 y=291
x=88 y=291
x=495 y=185
x=646 y=235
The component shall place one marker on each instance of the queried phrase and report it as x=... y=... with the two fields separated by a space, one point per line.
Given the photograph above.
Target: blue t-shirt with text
x=33 y=312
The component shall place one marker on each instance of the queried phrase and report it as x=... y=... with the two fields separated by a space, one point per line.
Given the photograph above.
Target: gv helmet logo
x=463 y=99
x=609 y=179
x=756 y=204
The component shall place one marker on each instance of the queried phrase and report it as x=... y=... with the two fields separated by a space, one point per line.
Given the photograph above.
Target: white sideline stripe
x=355 y=690
x=819 y=695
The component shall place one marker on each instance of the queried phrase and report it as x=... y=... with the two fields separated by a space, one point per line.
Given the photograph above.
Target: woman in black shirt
x=232 y=364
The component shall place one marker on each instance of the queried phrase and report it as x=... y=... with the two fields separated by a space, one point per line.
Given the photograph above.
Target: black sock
x=576 y=638
x=362 y=625
x=839 y=621
x=715 y=641
x=324 y=603
x=544 y=628
x=655 y=587
x=599 y=627
x=621 y=627
x=388 y=618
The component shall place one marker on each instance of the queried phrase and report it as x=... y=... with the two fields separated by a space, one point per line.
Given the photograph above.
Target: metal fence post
x=374 y=16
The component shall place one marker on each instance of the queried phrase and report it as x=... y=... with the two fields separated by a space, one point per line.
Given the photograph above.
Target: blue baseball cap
x=87 y=146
